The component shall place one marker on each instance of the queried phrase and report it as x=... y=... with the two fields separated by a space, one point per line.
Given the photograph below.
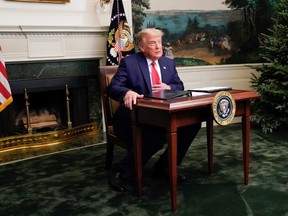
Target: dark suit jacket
x=133 y=74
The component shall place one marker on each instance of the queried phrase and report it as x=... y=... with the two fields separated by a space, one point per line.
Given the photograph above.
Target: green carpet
x=75 y=182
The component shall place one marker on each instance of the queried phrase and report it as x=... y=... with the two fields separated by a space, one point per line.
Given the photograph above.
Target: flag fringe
x=6 y=103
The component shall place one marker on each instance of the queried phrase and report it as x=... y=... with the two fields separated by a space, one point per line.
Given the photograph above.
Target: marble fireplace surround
x=40 y=56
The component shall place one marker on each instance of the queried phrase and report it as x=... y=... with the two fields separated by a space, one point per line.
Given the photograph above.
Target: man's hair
x=148 y=32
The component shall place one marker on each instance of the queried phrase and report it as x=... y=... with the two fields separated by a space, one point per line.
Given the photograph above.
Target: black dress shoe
x=115 y=182
x=164 y=174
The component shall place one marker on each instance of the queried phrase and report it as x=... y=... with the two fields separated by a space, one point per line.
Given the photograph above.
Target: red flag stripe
x=5 y=91
x=4 y=81
x=3 y=69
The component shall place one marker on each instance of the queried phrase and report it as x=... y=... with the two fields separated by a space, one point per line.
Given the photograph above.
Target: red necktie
x=155 y=75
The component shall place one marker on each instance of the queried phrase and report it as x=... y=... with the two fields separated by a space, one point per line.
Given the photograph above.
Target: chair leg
x=109 y=155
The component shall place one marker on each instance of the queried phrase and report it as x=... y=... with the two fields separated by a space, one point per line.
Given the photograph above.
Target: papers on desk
x=211 y=89
x=199 y=93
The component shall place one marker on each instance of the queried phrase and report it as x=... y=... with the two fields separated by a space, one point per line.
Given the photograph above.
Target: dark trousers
x=153 y=140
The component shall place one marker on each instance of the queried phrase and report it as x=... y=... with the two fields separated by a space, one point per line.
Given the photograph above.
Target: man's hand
x=161 y=86
x=130 y=99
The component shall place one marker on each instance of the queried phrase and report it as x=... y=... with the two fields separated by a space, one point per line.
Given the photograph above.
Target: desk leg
x=246 y=141
x=138 y=158
x=209 y=132
x=172 y=151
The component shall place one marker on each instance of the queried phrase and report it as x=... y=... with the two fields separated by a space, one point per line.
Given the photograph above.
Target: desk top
x=189 y=102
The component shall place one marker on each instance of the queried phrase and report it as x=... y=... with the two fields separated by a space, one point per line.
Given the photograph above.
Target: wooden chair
x=109 y=108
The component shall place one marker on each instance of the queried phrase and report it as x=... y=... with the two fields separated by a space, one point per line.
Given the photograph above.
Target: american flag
x=5 y=91
x=120 y=38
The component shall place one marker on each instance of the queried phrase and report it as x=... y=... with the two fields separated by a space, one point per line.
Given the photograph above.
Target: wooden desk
x=179 y=112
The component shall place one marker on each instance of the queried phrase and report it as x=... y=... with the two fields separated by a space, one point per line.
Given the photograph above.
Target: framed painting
x=210 y=32
x=44 y=1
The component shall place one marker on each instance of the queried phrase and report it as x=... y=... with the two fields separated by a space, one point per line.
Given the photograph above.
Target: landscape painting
x=208 y=37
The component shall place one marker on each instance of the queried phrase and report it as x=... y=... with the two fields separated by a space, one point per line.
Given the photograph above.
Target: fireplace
x=46 y=101
x=62 y=99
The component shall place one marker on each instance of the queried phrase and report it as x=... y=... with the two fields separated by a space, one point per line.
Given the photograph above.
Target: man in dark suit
x=133 y=80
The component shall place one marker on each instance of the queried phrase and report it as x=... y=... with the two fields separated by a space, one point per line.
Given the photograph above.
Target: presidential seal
x=223 y=108
x=119 y=43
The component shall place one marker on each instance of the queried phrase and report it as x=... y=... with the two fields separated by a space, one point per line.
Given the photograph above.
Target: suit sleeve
x=117 y=88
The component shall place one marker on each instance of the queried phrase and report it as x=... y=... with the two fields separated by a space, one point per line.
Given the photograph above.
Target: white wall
x=237 y=76
x=76 y=13
x=187 y=5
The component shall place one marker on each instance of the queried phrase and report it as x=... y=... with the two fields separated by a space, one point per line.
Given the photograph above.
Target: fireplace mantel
x=38 y=43
x=27 y=29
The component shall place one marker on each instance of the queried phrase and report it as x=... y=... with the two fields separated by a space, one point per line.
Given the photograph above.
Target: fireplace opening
x=46 y=111
x=46 y=101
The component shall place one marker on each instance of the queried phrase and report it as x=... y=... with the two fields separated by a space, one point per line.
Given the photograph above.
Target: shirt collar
x=149 y=61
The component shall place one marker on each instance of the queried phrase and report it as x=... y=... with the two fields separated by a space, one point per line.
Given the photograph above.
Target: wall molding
x=33 y=43
x=63 y=29
x=238 y=76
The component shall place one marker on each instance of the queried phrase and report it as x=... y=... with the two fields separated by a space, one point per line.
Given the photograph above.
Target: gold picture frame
x=44 y=1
